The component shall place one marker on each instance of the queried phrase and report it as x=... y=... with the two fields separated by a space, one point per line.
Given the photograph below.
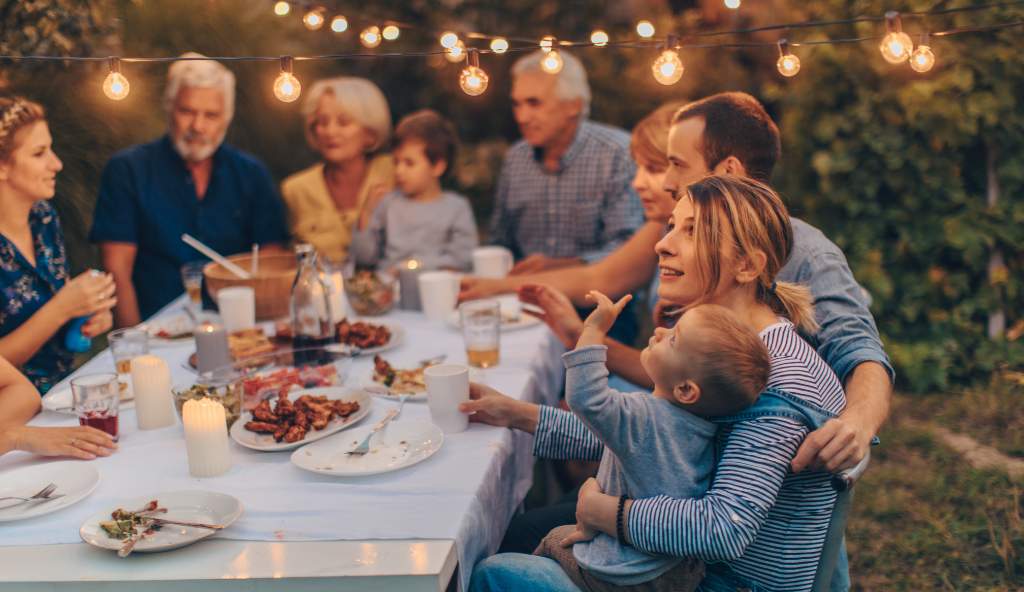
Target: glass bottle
x=310 y=308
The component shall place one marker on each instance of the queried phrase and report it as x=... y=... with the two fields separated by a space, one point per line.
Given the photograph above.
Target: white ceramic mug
x=439 y=292
x=492 y=262
x=237 y=308
x=447 y=387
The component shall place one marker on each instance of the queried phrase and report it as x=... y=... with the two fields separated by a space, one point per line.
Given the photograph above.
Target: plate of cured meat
x=300 y=416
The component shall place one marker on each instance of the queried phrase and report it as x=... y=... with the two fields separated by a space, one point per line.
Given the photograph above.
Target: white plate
x=378 y=389
x=192 y=506
x=178 y=326
x=266 y=443
x=397 y=338
x=61 y=401
x=74 y=479
x=401 y=444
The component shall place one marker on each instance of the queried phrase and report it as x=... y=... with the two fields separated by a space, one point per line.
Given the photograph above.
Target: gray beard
x=191 y=154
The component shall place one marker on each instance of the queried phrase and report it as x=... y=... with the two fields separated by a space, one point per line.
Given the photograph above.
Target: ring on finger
x=74 y=441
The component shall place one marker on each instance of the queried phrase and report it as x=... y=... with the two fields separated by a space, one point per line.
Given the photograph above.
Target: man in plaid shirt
x=564 y=195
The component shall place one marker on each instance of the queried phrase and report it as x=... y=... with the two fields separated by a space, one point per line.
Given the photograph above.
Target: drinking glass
x=192 y=277
x=125 y=345
x=96 y=401
x=481 y=330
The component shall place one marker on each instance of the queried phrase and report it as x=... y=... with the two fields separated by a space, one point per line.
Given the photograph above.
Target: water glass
x=125 y=346
x=192 y=277
x=97 y=399
x=481 y=330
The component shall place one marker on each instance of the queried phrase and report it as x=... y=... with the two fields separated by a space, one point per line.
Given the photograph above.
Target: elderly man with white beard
x=188 y=181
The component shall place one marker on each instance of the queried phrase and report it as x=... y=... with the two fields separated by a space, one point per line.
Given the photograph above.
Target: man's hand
x=538 y=262
x=580 y=535
x=836 y=446
x=473 y=288
x=558 y=312
x=603 y=317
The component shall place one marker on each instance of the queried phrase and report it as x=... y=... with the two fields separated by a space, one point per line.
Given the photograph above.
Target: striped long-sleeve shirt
x=767 y=524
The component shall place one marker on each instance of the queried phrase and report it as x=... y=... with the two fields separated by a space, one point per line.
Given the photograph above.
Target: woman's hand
x=87 y=294
x=487 y=405
x=603 y=317
x=558 y=312
x=472 y=288
x=78 y=442
x=596 y=510
x=98 y=324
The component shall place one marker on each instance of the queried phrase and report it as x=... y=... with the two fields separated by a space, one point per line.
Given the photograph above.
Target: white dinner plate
x=207 y=507
x=401 y=444
x=61 y=401
x=397 y=338
x=170 y=328
x=266 y=443
x=508 y=322
x=74 y=479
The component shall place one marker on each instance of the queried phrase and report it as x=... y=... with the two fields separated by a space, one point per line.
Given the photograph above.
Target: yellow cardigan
x=312 y=214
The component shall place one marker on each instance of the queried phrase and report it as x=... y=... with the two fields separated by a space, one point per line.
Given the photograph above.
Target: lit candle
x=339 y=302
x=211 y=347
x=408 y=285
x=151 y=383
x=206 y=438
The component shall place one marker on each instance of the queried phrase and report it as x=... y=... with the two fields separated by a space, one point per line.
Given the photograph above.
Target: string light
x=282 y=8
x=499 y=45
x=473 y=79
x=390 y=32
x=339 y=24
x=599 y=38
x=551 y=62
x=287 y=87
x=788 y=63
x=645 y=29
x=732 y=4
x=456 y=53
x=448 y=39
x=115 y=85
x=668 y=68
x=370 y=36
x=896 y=45
x=314 y=19
x=922 y=59
x=547 y=43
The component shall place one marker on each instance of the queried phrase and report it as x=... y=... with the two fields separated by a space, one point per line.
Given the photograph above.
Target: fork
x=44 y=494
x=364 y=446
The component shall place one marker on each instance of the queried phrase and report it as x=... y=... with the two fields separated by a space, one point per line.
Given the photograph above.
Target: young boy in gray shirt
x=419 y=220
x=659 y=443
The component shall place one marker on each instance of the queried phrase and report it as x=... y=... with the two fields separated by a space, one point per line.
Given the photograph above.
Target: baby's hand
x=580 y=535
x=606 y=312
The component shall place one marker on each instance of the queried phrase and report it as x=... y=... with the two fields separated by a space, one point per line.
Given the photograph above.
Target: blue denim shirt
x=847 y=335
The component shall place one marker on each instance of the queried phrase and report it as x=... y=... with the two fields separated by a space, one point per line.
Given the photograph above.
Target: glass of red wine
x=96 y=400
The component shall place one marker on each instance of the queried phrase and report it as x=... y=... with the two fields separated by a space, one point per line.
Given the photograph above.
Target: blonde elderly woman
x=186 y=181
x=347 y=122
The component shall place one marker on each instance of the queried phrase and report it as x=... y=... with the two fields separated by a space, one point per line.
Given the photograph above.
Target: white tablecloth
x=466 y=492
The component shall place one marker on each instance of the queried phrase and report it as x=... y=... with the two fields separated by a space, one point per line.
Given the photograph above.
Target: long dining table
x=419 y=528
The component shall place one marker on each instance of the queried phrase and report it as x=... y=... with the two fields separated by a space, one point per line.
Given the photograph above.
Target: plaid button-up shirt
x=586 y=209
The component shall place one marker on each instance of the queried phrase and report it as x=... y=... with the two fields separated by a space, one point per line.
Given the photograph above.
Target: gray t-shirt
x=652 y=447
x=439 y=233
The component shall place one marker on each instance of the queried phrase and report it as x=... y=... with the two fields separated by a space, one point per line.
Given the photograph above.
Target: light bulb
x=282 y=8
x=547 y=43
x=599 y=38
x=339 y=24
x=390 y=32
x=370 y=36
x=551 y=62
x=668 y=68
x=314 y=19
x=449 y=39
x=922 y=59
x=788 y=64
x=473 y=80
x=645 y=29
x=456 y=53
x=115 y=85
x=732 y=4
x=499 y=45
x=896 y=45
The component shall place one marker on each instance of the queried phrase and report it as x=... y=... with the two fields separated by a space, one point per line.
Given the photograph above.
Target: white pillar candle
x=339 y=302
x=206 y=438
x=151 y=383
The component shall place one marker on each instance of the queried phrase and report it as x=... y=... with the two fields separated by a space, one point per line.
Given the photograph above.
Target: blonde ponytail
x=794 y=302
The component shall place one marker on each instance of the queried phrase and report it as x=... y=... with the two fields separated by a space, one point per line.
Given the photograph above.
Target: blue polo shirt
x=147 y=198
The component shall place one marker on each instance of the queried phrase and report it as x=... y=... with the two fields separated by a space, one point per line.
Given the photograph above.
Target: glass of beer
x=96 y=401
x=125 y=345
x=481 y=329
x=192 y=277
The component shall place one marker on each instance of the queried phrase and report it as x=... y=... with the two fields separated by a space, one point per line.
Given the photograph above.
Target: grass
x=925 y=520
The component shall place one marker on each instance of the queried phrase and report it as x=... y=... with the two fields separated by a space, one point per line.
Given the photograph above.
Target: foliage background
x=891 y=164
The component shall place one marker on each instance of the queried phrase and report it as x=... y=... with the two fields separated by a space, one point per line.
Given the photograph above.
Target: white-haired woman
x=347 y=122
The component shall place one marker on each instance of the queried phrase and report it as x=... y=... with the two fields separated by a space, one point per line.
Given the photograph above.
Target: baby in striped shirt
x=662 y=443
